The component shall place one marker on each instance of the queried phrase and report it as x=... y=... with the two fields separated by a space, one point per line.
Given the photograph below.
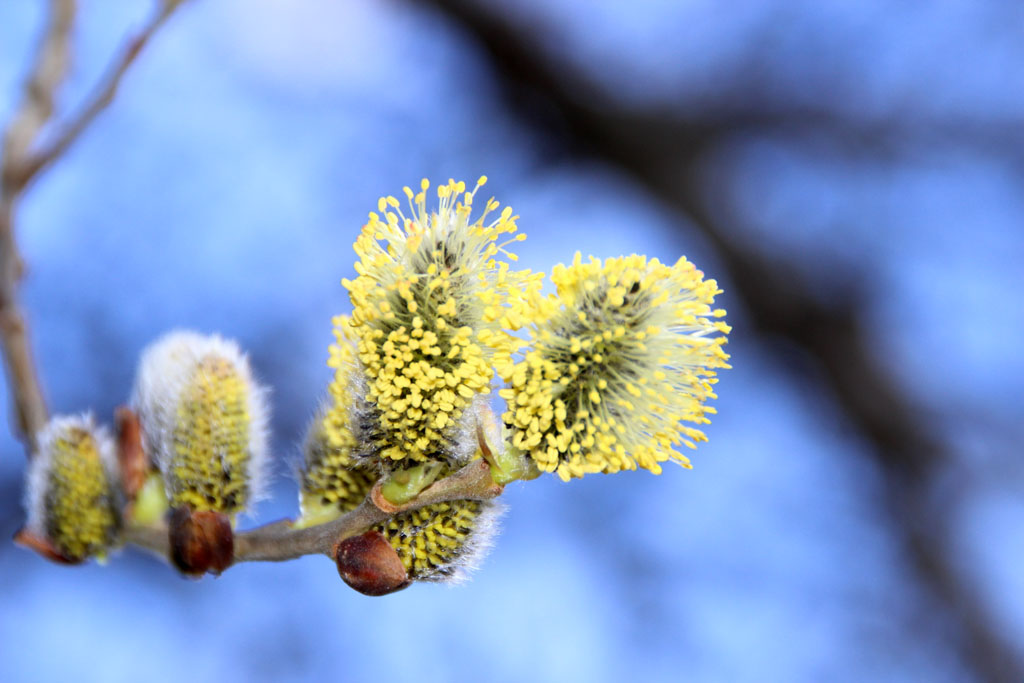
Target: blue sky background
x=224 y=187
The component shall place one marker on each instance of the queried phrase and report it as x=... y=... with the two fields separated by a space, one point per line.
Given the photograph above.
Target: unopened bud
x=131 y=458
x=201 y=541
x=73 y=498
x=204 y=421
x=370 y=565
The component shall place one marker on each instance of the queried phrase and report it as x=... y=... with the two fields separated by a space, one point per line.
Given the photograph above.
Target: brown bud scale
x=370 y=565
x=201 y=541
x=27 y=539
x=131 y=458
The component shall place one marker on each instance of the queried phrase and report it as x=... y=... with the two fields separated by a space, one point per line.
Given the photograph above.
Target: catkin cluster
x=73 y=493
x=433 y=306
x=202 y=431
x=611 y=370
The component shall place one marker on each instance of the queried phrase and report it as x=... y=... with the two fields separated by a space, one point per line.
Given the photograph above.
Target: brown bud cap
x=370 y=565
x=201 y=541
x=131 y=458
x=27 y=539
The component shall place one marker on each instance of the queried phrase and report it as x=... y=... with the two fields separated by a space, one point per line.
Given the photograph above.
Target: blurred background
x=849 y=171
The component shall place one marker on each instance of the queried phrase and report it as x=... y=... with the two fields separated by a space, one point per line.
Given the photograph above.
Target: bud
x=132 y=462
x=73 y=499
x=443 y=542
x=430 y=306
x=201 y=541
x=332 y=482
x=621 y=360
x=370 y=565
x=204 y=421
x=406 y=480
x=507 y=464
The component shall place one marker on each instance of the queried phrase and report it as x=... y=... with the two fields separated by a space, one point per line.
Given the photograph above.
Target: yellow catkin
x=78 y=508
x=350 y=423
x=211 y=439
x=339 y=463
x=621 y=366
x=332 y=481
x=437 y=542
x=432 y=307
x=204 y=421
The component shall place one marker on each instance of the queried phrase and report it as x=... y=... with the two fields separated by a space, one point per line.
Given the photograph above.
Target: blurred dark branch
x=22 y=162
x=667 y=152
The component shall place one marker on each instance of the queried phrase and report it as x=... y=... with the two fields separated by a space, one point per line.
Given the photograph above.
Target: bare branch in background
x=666 y=151
x=45 y=77
x=21 y=163
x=103 y=94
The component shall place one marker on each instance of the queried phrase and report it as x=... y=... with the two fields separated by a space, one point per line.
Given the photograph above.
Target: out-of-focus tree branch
x=666 y=152
x=22 y=161
x=45 y=77
x=102 y=95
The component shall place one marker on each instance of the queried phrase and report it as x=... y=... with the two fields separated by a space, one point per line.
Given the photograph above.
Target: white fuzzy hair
x=462 y=439
x=37 y=476
x=166 y=367
x=299 y=456
x=486 y=527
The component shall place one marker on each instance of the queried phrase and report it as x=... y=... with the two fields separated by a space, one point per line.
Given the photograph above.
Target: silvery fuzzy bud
x=204 y=421
x=73 y=498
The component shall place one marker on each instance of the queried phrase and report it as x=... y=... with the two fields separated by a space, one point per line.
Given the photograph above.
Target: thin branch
x=103 y=94
x=278 y=542
x=45 y=77
x=40 y=91
x=19 y=165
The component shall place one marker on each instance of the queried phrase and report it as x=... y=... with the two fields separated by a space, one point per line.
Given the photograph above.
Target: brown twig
x=21 y=163
x=278 y=542
x=39 y=94
x=102 y=95
x=45 y=77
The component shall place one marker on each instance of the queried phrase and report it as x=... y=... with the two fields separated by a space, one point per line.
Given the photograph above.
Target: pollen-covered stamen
x=621 y=359
x=74 y=501
x=431 y=307
x=444 y=541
